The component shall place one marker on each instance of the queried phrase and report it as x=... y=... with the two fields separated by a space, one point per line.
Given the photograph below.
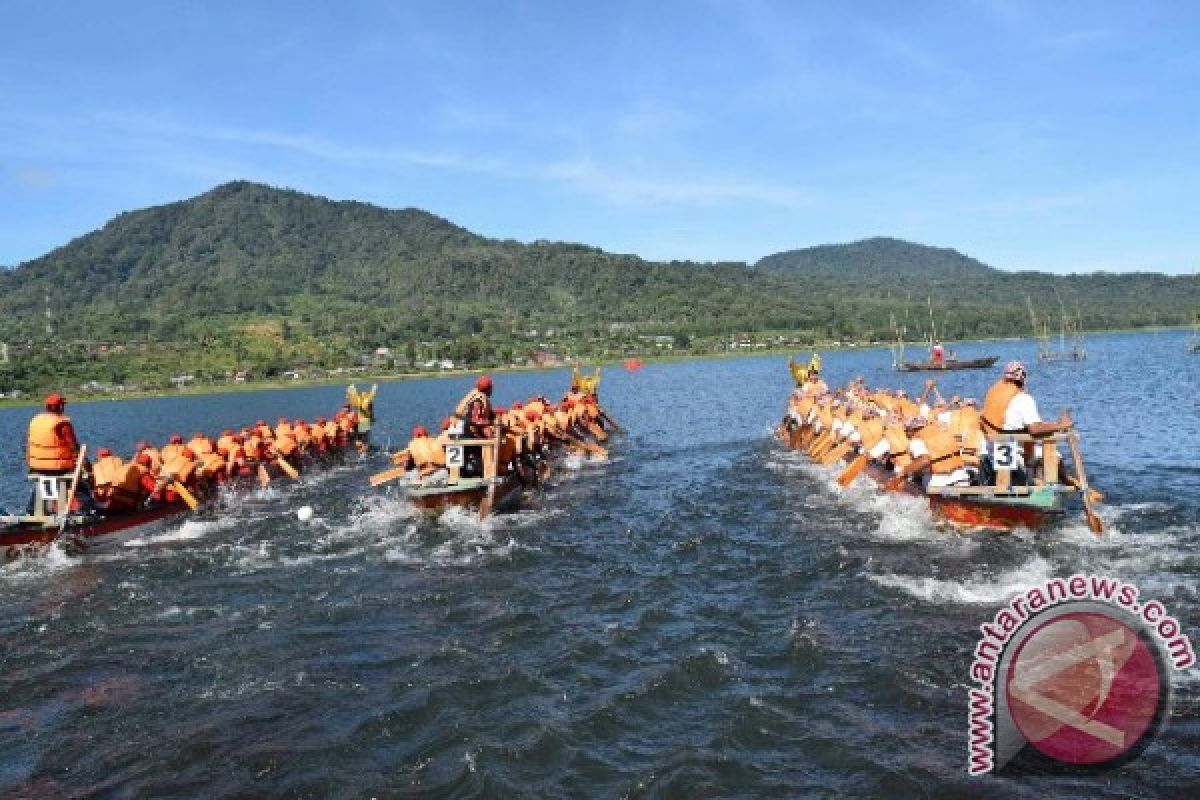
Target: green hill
x=250 y=276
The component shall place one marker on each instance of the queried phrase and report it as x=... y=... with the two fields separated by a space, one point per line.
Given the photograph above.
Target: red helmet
x=484 y=384
x=176 y=438
x=531 y=415
x=260 y=422
x=143 y=460
x=103 y=452
x=447 y=423
x=55 y=401
x=142 y=445
x=420 y=431
x=187 y=453
x=499 y=410
x=517 y=406
x=198 y=435
x=282 y=421
x=227 y=432
x=222 y=450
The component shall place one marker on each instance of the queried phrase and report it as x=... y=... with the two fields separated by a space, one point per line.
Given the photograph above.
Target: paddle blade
x=185 y=495
x=288 y=468
x=853 y=471
x=1094 y=522
x=263 y=477
x=380 y=478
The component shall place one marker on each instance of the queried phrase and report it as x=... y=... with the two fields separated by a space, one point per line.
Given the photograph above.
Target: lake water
x=704 y=615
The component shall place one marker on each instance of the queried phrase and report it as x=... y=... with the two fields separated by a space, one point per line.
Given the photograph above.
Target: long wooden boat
x=468 y=493
x=24 y=534
x=1001 y=508
x=946 y=364
x=21 y=535
x=985 y=508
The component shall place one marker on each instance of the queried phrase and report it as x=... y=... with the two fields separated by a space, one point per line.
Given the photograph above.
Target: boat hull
x=88 y=532
x=947 y=365
x=1000 y=513
x=466 y=494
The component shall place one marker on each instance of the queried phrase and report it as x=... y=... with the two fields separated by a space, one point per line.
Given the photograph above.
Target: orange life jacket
x=155 y=458
x=897 y=439
x=427 y=454
x=283 y=429
x=200 y=445
x=170 y=452
x=118 y=484
x=995 y=406
x=105 y=473
x=46 y=451
x=180 y=466
x=871 y=431
x=944 y=457
x=226 y=443
x=285 y=445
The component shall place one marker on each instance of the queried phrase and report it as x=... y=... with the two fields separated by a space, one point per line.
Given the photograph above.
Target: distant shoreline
x=262 y=386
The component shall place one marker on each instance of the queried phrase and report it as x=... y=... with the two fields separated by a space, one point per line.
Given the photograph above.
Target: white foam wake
x=973 y=590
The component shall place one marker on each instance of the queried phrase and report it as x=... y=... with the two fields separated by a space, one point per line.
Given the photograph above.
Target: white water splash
x=189 y=530
x=977 y=590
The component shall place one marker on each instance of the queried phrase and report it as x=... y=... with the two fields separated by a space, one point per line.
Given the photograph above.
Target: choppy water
x=702 y=616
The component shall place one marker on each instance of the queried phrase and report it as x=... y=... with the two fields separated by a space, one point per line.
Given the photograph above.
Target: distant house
x=240 y=376
x=446 y=363
x=181 y=381
x=291 y=375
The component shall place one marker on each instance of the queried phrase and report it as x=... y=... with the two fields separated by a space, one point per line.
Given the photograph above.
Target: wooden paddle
x=853 y=471
x=592 y=448
x=380 y=478
x=65 y=511
x=288 y=468
x=836 y=453
x=188 y=498
x=612 y=422
x=596 y=431
x=1093 y=519
x=264 y=477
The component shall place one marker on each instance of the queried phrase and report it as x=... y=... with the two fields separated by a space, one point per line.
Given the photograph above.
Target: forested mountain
x=253 y=276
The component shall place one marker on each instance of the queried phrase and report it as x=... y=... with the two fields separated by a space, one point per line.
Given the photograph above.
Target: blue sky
x=1032 y=135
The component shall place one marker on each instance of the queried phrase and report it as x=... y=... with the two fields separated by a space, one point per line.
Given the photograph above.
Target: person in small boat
x=938 y=354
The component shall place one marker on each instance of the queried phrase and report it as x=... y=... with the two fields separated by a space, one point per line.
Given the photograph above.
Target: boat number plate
x=454 y=456
x=1004 y=455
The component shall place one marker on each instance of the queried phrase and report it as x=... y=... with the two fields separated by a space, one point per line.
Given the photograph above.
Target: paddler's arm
x=1064 y=423
x=908 y=469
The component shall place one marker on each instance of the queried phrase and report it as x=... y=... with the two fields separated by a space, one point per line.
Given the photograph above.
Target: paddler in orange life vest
x=1008 y=408
x=475 y=411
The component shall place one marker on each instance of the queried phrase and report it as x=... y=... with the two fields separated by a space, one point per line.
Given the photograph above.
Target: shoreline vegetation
x=202 y=389
x=251 y=287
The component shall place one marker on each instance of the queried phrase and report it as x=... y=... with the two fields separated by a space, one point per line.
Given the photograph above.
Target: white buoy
x=304 y=513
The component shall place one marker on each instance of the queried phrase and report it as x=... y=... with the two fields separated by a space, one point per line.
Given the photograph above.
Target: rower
x=122 y=486
x=172 y=449
x=427 y=455
x=936 y=459
x=52 y=451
